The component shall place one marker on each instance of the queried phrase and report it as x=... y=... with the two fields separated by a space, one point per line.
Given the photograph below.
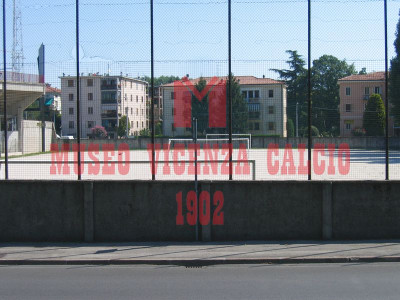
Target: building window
x=377 y=90
x=131 y=111
x=70 y=83
x=142 y=99
x=142 y=124
x=131 y=84
x=348 y=91
x=244 y=93
x=271 y=109
x=137 y=124
x=137 y=98
x=142 y=111
x=250 y=126
x=131 y=124
x=271 y=93
x=271 y=126
x=71 y=97
x=173 y=127
x=250 y=93
x=90 y=110
x=348 y=125
x=71 y=125
x=89 y=83
x=131 y=98
x=136 y=85
x=71 y=110
x=348 y=107
x=90 y=96
x=366 y=90
x=137 y=111
x=256 y=94
x=256 y=126
x=172 y=95
x=90 y=124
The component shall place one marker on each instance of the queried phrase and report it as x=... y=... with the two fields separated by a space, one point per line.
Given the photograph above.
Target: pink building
x=354 y=94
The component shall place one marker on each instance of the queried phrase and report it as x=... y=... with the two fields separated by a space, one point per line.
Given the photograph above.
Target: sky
x=191 y=37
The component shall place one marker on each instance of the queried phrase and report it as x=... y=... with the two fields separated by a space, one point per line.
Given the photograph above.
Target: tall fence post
x=5 y=93
x=309 y=91
x=78 y=124
x=153 y=150
x=387 y=97
x=230 y=85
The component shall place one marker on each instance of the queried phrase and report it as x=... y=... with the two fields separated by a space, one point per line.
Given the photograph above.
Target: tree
x=240 y=111
x=326 y=72
x=363 y=71
x=144 y=132
x=290 y=128
x=122 y=126
x=160 y=80
x=296 y=80
x=240 y=114
x=158 y=129
x=394 y=78
x=98 y=132
x=374 y=116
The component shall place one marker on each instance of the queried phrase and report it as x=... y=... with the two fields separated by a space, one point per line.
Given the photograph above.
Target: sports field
x=255 y=164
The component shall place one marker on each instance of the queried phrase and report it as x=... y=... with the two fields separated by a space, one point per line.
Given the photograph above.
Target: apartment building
x=158 y=106
x=54 y=94
x=265 y=97
x=103 y=101
x=354 y=94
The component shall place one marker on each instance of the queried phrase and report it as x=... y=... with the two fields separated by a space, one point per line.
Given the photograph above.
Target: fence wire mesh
x=229 y=97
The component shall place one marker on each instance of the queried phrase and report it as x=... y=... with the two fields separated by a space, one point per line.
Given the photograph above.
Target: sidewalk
x=199 y=254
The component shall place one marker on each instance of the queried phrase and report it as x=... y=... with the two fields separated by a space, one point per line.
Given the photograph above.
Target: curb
x=199 y=262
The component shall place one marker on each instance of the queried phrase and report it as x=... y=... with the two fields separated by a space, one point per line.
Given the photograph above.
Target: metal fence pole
x=153 y=150
x=5 y=93
x=309 y=91
x=386 y=96
x=229 y=84
x=78 y=127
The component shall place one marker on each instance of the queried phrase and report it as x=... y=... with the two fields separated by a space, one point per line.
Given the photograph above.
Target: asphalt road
x=323 y=281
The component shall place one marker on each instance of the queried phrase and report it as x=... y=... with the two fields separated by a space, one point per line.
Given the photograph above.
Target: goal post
x=213 y=135
x=235 y=141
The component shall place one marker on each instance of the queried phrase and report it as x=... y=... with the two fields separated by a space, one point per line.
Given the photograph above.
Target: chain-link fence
x=217 y=90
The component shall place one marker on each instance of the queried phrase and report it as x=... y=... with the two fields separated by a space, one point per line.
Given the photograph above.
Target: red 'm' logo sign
x=216 y=91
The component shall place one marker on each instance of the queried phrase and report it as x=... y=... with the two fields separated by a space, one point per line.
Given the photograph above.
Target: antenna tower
x=17 y=55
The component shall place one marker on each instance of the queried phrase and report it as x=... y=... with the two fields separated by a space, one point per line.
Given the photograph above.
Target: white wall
x=31 y=139
x=12 y=142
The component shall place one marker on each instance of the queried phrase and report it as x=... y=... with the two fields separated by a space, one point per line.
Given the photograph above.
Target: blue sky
x=191 y=36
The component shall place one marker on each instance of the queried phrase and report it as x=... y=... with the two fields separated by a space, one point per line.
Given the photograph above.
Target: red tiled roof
x=243 y=80
x=375 y=76
x=50 y=89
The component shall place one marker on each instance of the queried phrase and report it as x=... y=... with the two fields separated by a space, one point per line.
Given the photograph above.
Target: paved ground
x=200 y=253
x=318 y=281
x=363 y=165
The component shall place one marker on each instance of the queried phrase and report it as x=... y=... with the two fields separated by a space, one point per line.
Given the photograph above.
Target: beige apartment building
x=103 y=101
x=265 y=97
x=354 y=94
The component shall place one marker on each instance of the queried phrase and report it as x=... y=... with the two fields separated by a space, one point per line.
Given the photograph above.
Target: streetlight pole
x=297 y=119
x=127 y=121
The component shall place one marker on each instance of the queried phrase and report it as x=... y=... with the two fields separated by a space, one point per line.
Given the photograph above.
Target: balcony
x=109 y=114
x=108 y=84
x=253 y=106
